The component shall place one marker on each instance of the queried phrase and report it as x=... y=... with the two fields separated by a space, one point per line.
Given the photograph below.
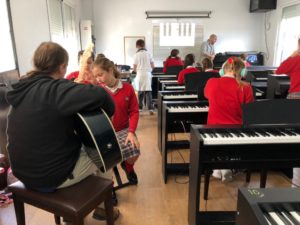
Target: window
x=187 y=37
x=63 y=30
x=288 y=32
x=7 y=56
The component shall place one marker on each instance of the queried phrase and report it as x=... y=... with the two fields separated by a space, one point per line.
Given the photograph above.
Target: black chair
x=277 y=86
x=277 y=111
x=195 y=80
x=174 y=70
x=157 y=70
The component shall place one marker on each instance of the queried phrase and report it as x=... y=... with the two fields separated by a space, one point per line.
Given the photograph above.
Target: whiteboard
x=130 y=48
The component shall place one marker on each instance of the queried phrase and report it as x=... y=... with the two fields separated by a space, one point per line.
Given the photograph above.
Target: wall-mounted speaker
x=262 y=5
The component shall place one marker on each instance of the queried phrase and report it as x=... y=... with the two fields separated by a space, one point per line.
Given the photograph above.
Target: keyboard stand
x=119 y=181
x=254 y=156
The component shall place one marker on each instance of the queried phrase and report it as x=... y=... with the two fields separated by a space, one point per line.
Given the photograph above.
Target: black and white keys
x=187 y=108
x=180 y=96
x=250 y=136
x=281 y=213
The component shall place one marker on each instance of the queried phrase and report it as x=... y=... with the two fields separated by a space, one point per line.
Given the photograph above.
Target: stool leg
x=117 y=176
x=248 y=176
x=19 y=210
x=77 y=221
x=206 y=184
x=57 y=219
x=263 y=178
x=109 y=209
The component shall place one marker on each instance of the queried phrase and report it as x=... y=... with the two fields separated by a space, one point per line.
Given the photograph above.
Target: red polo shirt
x=172 y=62
x=126 y=108
x=225 y=98
x=291 y=67
x=73 y=75
x=184 y=72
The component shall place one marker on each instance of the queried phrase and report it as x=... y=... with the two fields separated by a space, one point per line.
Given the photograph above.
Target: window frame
x=8 y=8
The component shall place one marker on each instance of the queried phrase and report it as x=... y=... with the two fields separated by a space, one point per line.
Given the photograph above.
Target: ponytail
x=236 y=65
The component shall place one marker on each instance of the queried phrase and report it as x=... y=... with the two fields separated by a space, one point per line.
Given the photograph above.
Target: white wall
x=30 y=24
x=274 y=18
x=31 y=27
x=237 y=29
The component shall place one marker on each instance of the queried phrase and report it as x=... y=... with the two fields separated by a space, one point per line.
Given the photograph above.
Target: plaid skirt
x=128 y=151
x=294 y=95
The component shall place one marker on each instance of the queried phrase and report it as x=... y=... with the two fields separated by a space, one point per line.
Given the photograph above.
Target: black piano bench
x=72 y=203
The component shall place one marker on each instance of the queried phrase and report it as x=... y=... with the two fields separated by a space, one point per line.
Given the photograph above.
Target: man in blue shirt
x=207 y=49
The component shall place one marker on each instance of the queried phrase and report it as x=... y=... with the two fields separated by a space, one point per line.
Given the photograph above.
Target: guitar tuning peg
x=109 y=146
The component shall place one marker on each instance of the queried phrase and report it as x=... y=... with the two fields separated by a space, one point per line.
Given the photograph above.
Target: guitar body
x=98 y=136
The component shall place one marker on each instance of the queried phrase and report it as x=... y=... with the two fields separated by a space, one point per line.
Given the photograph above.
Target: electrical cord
x=181 y=156
x=266 y=28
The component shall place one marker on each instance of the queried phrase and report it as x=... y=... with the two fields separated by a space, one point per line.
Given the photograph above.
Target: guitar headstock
x=87 y=53
x=85 y=73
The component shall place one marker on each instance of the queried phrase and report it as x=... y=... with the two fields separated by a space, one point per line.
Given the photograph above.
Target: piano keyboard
x=268 y=206
x=178 y=96
x=281 y=213
x=261 y=78
x=249 y=136
x=168 y=81
x=187 y=108
x=175 y=87
x=162 y=75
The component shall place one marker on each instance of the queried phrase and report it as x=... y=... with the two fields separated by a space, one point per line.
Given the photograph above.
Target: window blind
x=291 y=11
x=55 y=20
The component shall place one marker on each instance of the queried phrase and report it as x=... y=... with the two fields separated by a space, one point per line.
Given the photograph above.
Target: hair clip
x=230 y=60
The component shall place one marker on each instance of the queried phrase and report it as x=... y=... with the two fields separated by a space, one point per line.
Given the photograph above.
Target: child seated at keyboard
x=173 y=60
x=226 y=95
x=189 y=62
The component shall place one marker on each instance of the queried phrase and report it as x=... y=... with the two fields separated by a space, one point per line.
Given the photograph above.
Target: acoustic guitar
x=99 y=138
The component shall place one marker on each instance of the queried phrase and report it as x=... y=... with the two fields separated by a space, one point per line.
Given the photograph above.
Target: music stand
x=271 y=112
x=174 y=70
x=197 y=81
x=278 y=86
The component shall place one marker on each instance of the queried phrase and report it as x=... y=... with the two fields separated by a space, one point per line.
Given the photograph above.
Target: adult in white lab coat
x=143 y=65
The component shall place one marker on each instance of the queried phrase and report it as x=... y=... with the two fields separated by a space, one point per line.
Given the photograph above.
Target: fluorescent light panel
x=177 y=14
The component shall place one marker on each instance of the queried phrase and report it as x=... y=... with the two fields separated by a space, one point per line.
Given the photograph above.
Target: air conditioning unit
x=85 y=33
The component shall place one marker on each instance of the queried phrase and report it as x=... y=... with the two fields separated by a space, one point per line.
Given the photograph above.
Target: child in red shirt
x=173 y=60
x=208 y=66
x=126 y=115
x=226 y=95
x=85 y=68
x=189 y=61
x=291 y=67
